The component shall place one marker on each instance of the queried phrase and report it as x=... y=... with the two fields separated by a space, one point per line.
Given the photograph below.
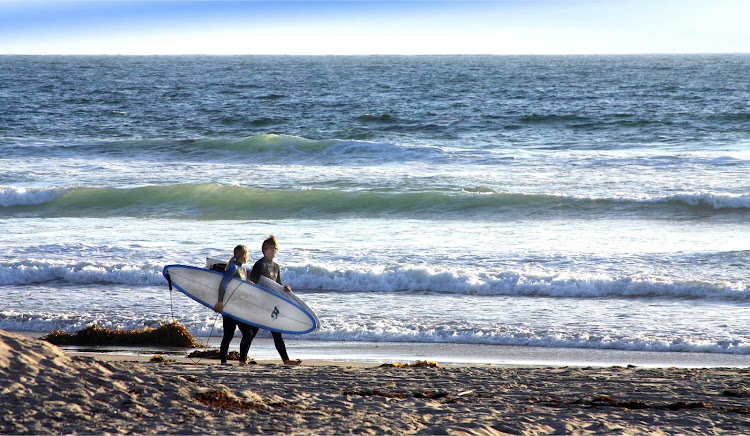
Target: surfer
x=235 y=268
x=266 y=267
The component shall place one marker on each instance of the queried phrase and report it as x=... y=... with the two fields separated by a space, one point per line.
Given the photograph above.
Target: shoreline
x=373 y=353
x=50 y=391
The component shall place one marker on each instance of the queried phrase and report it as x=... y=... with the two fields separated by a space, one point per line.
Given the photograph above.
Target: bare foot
x=292 y=362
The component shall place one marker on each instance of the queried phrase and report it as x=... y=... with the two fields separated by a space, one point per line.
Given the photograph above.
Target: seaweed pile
x=169 y=334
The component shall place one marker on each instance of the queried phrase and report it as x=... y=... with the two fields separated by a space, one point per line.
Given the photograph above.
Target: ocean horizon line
x=359 y=55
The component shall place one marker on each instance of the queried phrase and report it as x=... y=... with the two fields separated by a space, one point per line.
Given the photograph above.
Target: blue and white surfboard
x=270 y=309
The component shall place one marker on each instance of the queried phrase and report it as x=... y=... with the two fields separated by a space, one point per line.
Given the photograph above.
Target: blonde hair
x=270 y=242
x=239 y=251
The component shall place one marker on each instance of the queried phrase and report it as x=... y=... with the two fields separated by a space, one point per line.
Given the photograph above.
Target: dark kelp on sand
x=169 y=334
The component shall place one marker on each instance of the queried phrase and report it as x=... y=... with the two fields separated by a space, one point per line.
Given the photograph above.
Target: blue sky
x=374 y=27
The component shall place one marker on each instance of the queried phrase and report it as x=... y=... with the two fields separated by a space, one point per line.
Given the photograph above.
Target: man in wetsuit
x=266 y=267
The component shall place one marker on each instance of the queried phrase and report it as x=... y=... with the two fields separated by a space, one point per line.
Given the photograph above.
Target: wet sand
x=444 y=353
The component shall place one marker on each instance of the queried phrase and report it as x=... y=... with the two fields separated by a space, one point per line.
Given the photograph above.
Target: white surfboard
x=244 y=301
x=266 y=283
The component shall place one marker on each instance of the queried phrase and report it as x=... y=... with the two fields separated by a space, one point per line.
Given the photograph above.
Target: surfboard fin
x=169 y=281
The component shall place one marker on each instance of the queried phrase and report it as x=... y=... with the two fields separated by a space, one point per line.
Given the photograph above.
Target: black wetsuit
x=267 y=268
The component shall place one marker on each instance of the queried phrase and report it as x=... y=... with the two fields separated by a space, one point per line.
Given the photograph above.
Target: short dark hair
x=270 y=242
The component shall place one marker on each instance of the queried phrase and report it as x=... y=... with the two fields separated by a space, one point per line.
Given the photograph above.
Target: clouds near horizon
x=374 y=27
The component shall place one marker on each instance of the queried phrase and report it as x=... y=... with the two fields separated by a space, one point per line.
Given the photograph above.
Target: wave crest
x=271 y=147
x=399 y=280
x=13 y=196
x=419 y=280
x=711 y=200
x=81 y=273
x=216 y=201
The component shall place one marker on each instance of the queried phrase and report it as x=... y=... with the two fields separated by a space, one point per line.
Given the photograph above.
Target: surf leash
x=171 y=314
x=213 y=324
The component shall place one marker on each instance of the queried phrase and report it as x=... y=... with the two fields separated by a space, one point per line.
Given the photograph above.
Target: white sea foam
x=345 y=330
x=36 y=272
x=513 y=337
x=423 y=280
x=406 y=280
x=713 y=200
x=15 y=196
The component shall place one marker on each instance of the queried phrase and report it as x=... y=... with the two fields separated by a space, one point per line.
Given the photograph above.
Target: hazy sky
x=374 y=27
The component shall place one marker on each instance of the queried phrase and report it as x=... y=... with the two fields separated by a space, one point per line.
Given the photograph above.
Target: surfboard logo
x=275 y=313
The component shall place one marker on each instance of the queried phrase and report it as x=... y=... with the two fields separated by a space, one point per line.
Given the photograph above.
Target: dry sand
x=44 y=391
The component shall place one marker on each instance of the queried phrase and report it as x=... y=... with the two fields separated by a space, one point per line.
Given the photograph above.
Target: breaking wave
x=416 y=280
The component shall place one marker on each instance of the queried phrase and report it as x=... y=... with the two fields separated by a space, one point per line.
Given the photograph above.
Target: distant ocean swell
x=515 y=118
x=288 y=149
x=216 y=201
x=267 y=147
x=416 y=280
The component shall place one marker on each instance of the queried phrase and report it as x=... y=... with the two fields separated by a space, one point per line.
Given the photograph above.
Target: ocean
x=561 y=202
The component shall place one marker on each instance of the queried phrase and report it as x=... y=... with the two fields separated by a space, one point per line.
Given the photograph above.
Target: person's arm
x=278 y=280
x=228 y=275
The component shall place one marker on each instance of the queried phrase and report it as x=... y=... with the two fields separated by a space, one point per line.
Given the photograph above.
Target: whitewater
x=581 y=202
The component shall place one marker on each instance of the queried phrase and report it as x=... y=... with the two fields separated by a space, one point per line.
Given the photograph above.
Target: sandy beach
x=47 y=390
